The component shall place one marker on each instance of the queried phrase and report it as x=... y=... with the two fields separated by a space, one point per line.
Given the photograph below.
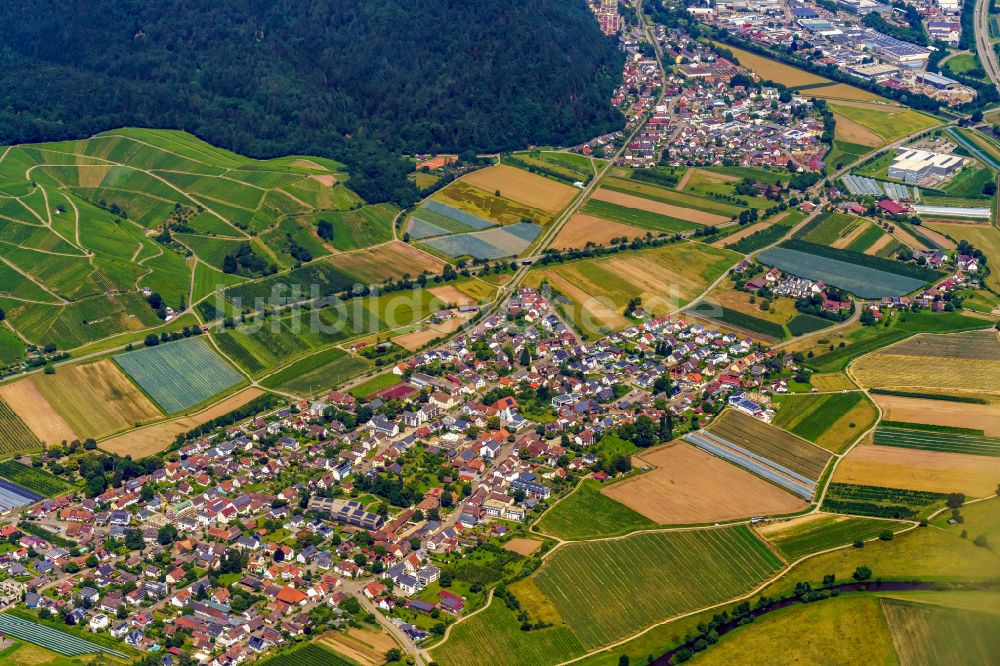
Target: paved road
x=987 y=54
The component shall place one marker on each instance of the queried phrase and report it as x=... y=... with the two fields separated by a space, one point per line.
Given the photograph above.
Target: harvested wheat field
x=25 y=400
x=96 y=399
x=451 y=295
x=772 y=70
x=941 y=412
x=417 y=339
x=362 y=646
x=155 y=438
x=522 y=546
x=389 y=261
x=651 y=206
x=913 y=469
x=942 y=241
x=850 y=131
x=959 y=362
x=832 y=381
x=842 y=91
x=690 y=486
x=582 y=229
x=523 y=187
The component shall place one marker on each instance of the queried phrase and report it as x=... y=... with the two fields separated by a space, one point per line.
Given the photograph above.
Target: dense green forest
x=357 y=80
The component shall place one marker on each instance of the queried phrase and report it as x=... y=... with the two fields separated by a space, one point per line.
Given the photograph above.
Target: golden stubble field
x=155 y=438
x=960 y=362
x=582 y=229
x=523 y=187
x=95 y=399
x=913 y=469
x=690 y=486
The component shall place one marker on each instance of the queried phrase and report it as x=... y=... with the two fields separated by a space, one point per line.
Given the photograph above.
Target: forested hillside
x=350 y=79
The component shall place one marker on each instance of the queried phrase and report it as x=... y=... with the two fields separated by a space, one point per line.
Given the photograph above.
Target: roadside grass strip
x=859 y=280
x=51 y=639
x=180 y=374
x=606 y=590
x=948 y=442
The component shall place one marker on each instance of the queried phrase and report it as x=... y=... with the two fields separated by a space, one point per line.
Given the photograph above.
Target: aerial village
x=266 y=530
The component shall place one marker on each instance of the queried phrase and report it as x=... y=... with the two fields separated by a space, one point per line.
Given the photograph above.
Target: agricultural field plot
x=153 y=439
x=860 y=280
x=844 y=153
x=947 y=440
x=772 y=443
x=95 y=399
x=28 y=406
x=940 y=413
x=390 y=261
x=889 y=122
x=606 y=590
x=649 y=221
x=317 y=279
x=264 y=344
x=586 y=513
x=508 y=241
x=925 y=633
x=688 y=486
x=36 y=480
x=828 y=228
x=765 y=328
x=522 y=546
x=831 y=420
x=762 y=237
x=912 y=469
x=582 y=229
x=698 y=189
x=486 y=204
x=309 y=654
x=879 y=501
x=965 y=362
x=181 y=374
x=821 y=632
x=866 y=239
x=15 y=435
x=493 y=637
x=51 y=639
x=523 y=187
x=819 y=531
x=365 y=647
x=665 y=278
x=434 y=218
x=772 y=70
x=326 y=369
x=658 y=207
